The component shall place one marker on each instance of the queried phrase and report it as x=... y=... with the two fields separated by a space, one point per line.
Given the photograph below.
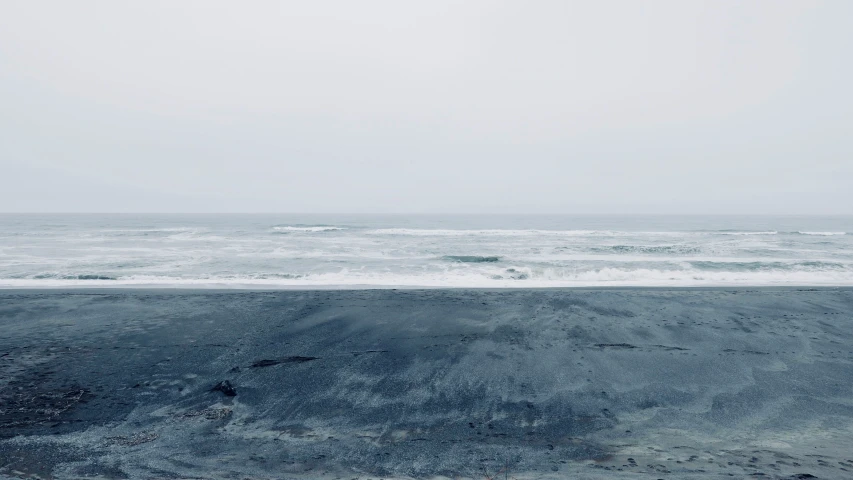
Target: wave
x=471 y=259
x=823 y=234
x=308 y=229
x=508 y=233
x=329 y=251
x=147 y=230
x=50 y=276
x=739 y=266
x=174 y=233
x=609 y=259
x=426 y=232
x=652 y=249
x=486 y=275
x=739 y=233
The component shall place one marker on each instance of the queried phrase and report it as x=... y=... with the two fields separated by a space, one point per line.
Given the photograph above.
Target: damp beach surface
x=548 y=383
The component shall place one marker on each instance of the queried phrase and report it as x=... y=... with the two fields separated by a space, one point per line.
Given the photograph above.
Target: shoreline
x=596 y=383
x=359 y=288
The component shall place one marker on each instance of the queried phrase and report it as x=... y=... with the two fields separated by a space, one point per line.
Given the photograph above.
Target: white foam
x=823 y=234
x=563 y=233
x=350 y=253
x=511 y=233
x=307 y=229
x=621 y=257
x=147 y=230
x=478 y=277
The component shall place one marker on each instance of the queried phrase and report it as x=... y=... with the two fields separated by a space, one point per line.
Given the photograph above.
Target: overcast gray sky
x=430 y=106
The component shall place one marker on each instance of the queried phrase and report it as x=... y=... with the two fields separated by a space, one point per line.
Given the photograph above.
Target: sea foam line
x=520 y=277
x=507 y=233
x=539 y=232
x=318 y=228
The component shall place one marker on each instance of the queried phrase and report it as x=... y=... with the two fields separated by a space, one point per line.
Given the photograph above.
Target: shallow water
x=424 y=250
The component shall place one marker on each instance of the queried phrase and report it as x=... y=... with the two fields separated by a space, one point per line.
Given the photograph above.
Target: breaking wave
x=647 y=249
x=308 y=229
x=463 y=278
x=472 y=259
x=774 y=266
x=488 y=232
x=49 y=276
x=554 y=233
x=389 y=251
x=730 y=232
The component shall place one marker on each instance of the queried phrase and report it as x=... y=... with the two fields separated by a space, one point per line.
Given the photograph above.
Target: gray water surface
x=423 y=250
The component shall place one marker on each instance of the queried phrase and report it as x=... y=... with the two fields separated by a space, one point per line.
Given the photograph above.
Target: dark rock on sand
x=615 y=345
x=293 y=359
x=226 y=388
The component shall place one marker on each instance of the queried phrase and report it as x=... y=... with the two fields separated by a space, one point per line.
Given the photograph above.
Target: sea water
x=493 y=251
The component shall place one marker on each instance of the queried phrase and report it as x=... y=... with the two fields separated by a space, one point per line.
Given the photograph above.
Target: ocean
x=365 y=251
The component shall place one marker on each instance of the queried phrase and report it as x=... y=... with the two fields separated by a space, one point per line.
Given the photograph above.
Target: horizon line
x=437 y=213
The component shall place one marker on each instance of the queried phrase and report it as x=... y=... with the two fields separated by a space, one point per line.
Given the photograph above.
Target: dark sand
x=585 y=383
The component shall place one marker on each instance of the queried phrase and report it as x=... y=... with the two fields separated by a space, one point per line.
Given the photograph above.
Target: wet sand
x=560 y=383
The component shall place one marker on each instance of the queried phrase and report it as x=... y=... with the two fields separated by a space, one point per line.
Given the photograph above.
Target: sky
x=680 y=107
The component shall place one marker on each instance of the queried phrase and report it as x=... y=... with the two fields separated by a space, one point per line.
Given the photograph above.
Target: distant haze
x=430 y=106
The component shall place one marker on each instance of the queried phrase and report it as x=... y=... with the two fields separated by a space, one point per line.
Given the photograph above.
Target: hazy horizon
x=614 y=107
x=440 y=214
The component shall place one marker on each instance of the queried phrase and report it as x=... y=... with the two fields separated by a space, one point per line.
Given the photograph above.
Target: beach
x=387 y=240
x=454 y=383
